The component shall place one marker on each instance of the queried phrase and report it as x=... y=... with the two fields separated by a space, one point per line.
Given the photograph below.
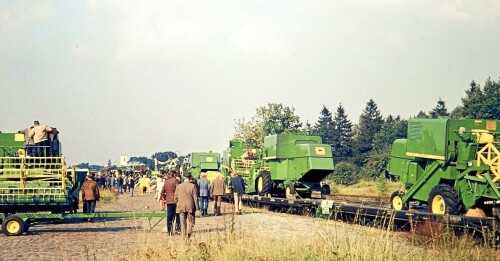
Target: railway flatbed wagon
x=374 y=212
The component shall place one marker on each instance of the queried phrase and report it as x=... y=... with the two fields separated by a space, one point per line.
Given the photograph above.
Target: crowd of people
x=183 y=199
x=120 y=183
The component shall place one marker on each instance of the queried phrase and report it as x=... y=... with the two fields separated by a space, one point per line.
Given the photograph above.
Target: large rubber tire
x=325 y=189
x=443 y=199
x=397 y=201
x=263 y=183
x=13 y=226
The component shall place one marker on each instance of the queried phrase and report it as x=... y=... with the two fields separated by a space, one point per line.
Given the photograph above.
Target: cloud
x=452 y=12
x=19 y=15
x=256 y=38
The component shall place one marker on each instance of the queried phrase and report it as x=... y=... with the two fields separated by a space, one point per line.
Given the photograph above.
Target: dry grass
x=368 y=188
x=302 y=238
x=107 y=197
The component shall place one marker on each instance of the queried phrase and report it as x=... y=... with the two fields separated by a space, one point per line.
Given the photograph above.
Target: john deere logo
x=320 y=151
x=209 y=159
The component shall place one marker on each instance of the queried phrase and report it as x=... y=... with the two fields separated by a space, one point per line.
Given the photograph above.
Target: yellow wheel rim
x=260 y=184
x=13 y=227
x=397 y=203
x=438 y=205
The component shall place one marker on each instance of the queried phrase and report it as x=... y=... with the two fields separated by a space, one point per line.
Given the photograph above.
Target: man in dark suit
x=186 y=196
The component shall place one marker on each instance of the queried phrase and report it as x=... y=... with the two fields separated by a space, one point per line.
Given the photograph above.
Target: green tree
x=324 y=126
x=164 y=156
x=277 y=119
x=144 y=160
x=251 y=132
x=345 y=173
x=392 y=129
x=307 y=129
x=439 y=110
x=482 y=104
x=268 y=120
x=422 y=115
x=342 y=136
x=370 y=122
x=376 y=163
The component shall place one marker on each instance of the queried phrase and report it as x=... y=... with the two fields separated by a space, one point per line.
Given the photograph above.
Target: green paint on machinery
x=288 y=164
x=33 y=184
x=208 y=162
x=451 y=165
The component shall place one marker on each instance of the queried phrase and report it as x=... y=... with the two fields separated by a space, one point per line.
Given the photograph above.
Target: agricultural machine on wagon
x=207 y=162
x=451 y=165
x=288 y=164
x=34 y=189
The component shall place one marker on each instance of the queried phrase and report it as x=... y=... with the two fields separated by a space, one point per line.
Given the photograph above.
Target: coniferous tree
x=324 y=125
x=482 y=104
x=393 y=128
x=439 y=110
x=370 y=122
x=422 y=115
x=342 y=136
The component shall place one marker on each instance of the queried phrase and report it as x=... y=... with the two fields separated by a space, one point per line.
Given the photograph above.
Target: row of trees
x=362 y=150
x=148 y=162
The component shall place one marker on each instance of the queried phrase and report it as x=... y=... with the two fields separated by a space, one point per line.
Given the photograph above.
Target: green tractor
x=207 y=162
x=450 y=165
x=290 y=165
x=35 y=184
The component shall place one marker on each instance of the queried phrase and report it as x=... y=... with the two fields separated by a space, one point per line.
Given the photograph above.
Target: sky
x=137 y=77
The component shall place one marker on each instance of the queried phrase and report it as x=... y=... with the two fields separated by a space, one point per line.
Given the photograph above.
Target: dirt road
x=121 y=239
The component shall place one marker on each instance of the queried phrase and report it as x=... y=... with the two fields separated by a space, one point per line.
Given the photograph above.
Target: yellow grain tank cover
x=483 y=137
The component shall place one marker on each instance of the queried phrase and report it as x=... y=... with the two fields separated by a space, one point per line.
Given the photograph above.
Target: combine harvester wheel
x=443 y=199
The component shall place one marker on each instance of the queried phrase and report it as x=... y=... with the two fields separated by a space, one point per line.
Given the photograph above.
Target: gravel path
x=127 y=238
x=116 y=239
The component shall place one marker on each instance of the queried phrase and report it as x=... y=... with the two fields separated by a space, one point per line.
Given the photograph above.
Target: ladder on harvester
x=242 y=166
x=32 y=179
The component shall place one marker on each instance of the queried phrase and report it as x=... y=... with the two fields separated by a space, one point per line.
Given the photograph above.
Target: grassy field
x=367 y=188
x=320 y=240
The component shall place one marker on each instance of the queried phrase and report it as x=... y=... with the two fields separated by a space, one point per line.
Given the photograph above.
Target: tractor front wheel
x=443 y=199
x=13 y=226
x=263 y=184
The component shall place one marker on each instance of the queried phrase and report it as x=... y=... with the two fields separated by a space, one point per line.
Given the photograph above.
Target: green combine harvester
x=290 y=165
x=450 y=165
x=207 y=162
x=35 y=189
x=34 y=183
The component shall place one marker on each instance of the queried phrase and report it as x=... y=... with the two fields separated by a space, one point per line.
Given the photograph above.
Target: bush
x=375 y=164
x=345 y=174
x=382 y=185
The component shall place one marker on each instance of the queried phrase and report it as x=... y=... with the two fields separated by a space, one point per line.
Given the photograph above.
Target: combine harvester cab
x=290 y=165
x=208 y=162
x=34 y=184
x=450 y=165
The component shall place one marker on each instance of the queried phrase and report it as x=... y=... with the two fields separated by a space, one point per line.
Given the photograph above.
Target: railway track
x=375 y=211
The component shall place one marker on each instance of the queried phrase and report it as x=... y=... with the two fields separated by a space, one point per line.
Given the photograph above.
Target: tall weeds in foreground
x=315 y=239
x=107 y=196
